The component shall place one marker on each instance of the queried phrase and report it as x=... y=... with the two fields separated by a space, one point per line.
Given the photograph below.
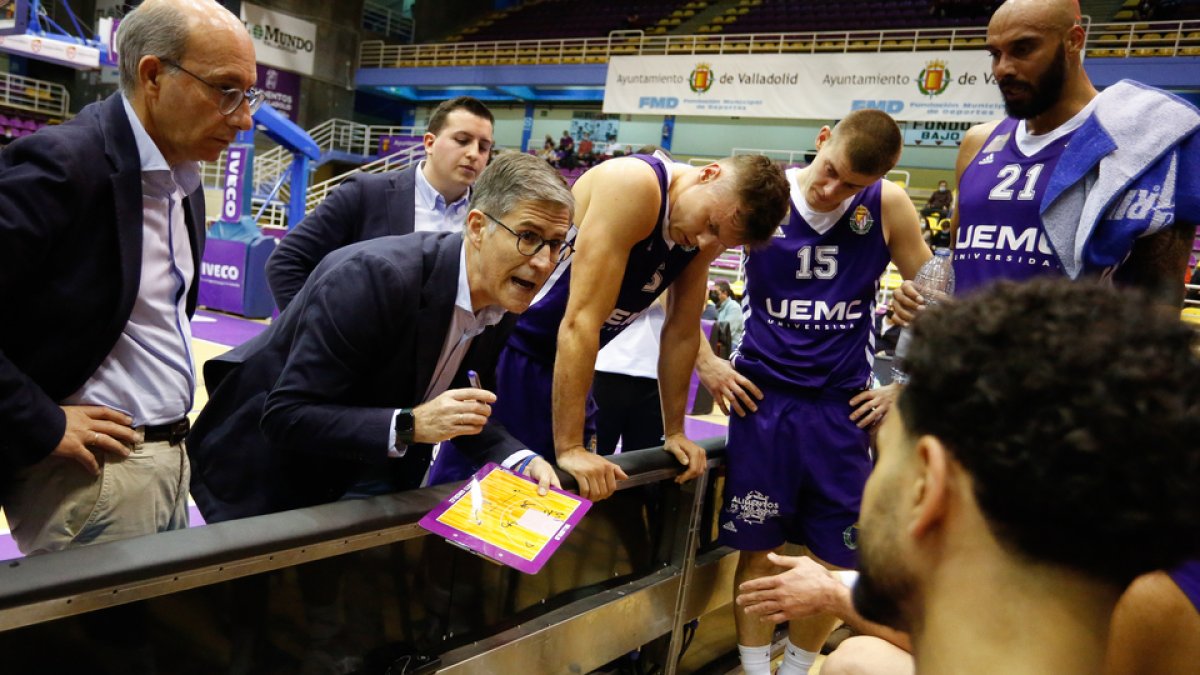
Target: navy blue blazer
x=364 y=207
x=298 y=413
x=70 y=265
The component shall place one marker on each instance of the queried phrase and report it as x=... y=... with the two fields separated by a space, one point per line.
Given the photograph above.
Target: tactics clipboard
x=499 y=514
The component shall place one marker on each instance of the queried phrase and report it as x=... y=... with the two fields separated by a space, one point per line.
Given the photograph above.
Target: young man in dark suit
x=429 y=196
x=368 y=368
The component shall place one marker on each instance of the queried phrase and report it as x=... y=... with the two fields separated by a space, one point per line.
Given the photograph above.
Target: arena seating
x=752 y=16
x=14 y=125
x=562 y=18
x=543 y=19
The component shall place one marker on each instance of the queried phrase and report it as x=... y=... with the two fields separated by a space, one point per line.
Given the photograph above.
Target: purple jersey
x=810 y=300
x=1187 y=577
x=1000 y=233
x=652 y=265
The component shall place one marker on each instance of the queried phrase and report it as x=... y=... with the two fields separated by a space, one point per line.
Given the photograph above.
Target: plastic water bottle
x=934 y=281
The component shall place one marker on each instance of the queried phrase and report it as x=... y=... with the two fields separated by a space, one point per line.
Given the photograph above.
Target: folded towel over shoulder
x=1131 y=170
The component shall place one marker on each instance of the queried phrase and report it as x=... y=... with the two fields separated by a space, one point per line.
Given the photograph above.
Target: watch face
x=404 y=425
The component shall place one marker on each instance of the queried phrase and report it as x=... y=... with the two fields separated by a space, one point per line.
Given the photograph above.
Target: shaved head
x=1050 y=15
x=1037 y=59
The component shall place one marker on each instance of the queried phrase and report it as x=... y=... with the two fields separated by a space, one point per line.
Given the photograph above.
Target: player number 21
x=822 y=265
x=1010 y=174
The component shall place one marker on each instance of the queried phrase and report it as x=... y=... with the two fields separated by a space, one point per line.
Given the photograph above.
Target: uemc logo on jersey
x=1002 y=238
x=797 y=309
x=620 y=318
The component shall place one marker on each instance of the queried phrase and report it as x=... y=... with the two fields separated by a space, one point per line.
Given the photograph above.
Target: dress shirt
x=432 y=213
x=149 y=373
x=465 y=324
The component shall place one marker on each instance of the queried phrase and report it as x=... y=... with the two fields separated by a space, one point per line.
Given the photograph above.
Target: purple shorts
x=1187 y=577
x=523 y=386
x=796 y=471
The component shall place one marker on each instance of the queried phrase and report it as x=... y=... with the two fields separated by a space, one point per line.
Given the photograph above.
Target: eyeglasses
x=231 y=99
x=530 y=243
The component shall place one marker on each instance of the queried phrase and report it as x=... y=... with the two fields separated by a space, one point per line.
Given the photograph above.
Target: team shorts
x=796 y=472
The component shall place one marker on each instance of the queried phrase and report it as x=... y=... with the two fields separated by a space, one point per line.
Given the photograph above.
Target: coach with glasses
x=101 y=234
x=369 y=365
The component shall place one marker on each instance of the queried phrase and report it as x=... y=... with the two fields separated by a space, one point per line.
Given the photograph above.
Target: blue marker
x=473 y=377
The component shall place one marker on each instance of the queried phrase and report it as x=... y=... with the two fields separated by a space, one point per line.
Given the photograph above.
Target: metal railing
x=26 y=93
x=335 y=135
x=1154 y=38
x=393 y=162
x=387 y=21
x=1162 y=38
x=622 y=560
x=788 y=157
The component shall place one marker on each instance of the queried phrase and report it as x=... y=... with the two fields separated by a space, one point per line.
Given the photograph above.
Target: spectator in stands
x=370 y=366
x=966 y=521
x=798 y=457
x=710 y=307
x=587 y=150
x=729 y=310
x=615 y=149
x=548 y=152
x=940 y=202
x=566 y=151
x=1052 y=171
x=101 y=234
x=432 y=195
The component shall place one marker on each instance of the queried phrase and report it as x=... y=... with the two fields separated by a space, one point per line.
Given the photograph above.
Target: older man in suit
x=368 y=367
x=101 y=231
x=430 y=196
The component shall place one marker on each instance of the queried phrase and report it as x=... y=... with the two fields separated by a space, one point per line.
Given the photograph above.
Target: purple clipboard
x=499 y=515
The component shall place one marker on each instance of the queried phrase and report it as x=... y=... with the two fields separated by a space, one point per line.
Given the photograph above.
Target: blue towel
x=1131 y=170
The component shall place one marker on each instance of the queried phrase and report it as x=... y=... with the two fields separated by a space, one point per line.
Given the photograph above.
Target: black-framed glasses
x=231 y=99
x=530 y=243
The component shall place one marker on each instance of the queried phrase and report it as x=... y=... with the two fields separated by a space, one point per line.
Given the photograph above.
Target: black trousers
x=628 y=409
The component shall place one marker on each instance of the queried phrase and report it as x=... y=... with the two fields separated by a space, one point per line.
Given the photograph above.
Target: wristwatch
x=404 y=426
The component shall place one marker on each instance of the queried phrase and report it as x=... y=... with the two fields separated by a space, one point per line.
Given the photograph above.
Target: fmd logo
x=658 y=102
x=888 y=106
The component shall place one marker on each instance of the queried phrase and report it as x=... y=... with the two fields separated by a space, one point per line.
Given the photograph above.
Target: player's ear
x=823 y=136
x=931 y=490
x=710 y=173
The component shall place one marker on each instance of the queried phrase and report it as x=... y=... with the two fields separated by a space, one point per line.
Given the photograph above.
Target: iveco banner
x=938 y=86
x=281 y=40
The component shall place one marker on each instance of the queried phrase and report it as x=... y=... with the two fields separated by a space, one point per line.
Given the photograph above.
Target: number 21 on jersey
x=1011 y=173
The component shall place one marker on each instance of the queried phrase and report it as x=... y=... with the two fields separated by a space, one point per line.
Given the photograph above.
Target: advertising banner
x=234 y=185
x=281 y=88
x=949 y=134
x=391 y=144
x=913 y=86
x=222 y=275
x=80 y=57
x=281 y=40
